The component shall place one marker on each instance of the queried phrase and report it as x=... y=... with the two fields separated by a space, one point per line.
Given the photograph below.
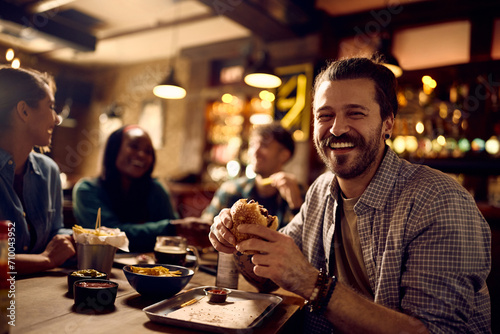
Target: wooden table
x=43 y=306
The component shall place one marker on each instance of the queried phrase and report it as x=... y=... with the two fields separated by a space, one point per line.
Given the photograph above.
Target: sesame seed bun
x=250 y=212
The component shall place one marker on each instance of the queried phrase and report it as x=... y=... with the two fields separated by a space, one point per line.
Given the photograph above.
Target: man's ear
x=22 y=110
x=284 y=156
x=388 y=124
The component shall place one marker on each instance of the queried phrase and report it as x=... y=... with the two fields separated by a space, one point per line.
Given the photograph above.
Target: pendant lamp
x=392 y=63
x=388 y=58
x=169 y=88
x=261 y=75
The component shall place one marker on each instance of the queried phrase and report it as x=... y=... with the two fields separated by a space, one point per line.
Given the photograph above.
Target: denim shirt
x=42 y=194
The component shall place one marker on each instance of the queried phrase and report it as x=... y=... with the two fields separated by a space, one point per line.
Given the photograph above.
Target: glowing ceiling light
x=16 y=63
x=258 y=119
x=411 y=144
x=233 y=168
x=9 y=55
x=477 y=145
x=441 y=140
x=399 y=144
x=464 y=145
x=419 y=127
x=227 y=98
x=492 y=145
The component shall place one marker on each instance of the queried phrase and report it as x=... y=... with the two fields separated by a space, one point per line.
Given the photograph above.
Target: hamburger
x=250 y=212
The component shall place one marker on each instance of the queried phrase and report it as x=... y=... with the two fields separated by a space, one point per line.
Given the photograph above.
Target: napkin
x=102 y=236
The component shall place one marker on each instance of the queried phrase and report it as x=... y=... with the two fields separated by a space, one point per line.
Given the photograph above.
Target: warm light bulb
x=233 y=168
x=9 y=55
x=299 y=135
x=419 y=127
x=262 y=80
x=426 y=79
x=411 y=144
x=492 y=146
x=227 y=98
x=16 y=63
x=258 y=119
x=396 y=70
x=399 y=144
x=169 y=92
x=249 y=172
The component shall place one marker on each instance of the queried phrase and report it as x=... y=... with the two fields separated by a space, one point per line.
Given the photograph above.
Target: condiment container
x=217 y=295
x=96 y=295
x=83 y=274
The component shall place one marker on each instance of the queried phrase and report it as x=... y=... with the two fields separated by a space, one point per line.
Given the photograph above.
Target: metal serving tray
x=159 y=312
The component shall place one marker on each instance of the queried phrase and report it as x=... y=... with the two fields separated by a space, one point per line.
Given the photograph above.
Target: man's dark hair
x=364 y=68
x=277 y=132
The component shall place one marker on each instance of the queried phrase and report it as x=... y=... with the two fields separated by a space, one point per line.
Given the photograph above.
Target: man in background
x=270 y=147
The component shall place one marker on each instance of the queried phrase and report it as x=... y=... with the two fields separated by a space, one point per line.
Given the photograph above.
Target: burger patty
x=265 y=213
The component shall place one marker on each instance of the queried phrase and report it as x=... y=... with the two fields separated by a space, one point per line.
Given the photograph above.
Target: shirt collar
x=5 y=157
x=375 y=195
x=383 y=181
x=32 y=164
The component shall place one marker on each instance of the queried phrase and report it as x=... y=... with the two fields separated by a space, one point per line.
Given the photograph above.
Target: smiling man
x=270 y=148
x=380 y=245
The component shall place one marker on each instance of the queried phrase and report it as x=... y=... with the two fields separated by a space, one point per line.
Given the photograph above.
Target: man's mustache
x=344 y=138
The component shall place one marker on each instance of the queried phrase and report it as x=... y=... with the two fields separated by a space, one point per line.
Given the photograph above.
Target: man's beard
x=339 y=165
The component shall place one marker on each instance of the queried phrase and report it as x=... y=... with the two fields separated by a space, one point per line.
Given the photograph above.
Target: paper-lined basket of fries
x=96 y=248
x=104 y=236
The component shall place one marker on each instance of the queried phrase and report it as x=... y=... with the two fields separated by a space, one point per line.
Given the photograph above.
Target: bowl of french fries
x=158 y=281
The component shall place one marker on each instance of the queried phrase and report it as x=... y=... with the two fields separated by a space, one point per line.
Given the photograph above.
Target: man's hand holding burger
x=224 y=233
x=220 y=233
x=276 y=257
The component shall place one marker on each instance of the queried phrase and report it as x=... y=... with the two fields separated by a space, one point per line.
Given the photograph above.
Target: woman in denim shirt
x=30 y=186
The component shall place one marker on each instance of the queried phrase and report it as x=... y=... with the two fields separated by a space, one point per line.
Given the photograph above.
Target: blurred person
x=270 y=147
x=129 y=197
x=380 y=245
x=30 y=184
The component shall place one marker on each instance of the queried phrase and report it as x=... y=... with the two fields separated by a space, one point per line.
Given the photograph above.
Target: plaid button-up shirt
x=425 y=245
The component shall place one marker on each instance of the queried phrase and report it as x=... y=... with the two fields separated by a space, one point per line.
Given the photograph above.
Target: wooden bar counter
x=43 y=306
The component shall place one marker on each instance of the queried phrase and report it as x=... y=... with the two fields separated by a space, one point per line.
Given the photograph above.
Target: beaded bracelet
x=324 y=302
x=322 y=292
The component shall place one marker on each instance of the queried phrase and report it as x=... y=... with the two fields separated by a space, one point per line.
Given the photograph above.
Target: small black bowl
x=83 y=274
x=95 y=294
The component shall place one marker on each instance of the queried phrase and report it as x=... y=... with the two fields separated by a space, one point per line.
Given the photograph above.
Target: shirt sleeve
x=89 y=197
x=221 y=200
x=443 y=281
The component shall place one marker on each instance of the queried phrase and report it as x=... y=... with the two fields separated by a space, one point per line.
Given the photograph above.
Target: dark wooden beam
x=50 y=28
x=255 y=18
